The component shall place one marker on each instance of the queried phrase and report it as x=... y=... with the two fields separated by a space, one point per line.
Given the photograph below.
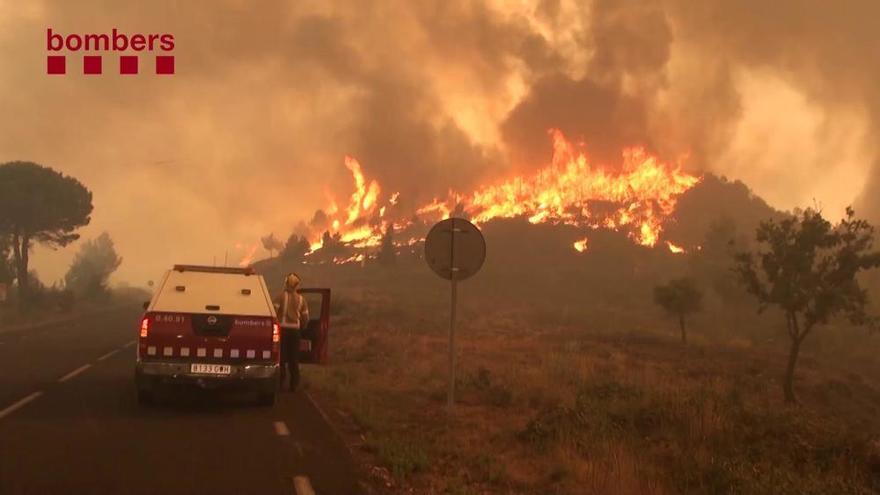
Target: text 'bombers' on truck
x=213 y=327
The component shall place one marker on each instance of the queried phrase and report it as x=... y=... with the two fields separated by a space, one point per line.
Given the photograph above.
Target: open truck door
x=313 y=340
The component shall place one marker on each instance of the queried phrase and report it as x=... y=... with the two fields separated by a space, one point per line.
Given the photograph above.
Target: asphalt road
x=70 y=424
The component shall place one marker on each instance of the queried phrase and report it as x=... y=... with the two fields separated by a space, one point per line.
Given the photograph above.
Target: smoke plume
x=248 y=137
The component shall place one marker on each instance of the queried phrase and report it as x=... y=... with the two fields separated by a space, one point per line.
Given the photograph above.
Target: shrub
x=403 y=455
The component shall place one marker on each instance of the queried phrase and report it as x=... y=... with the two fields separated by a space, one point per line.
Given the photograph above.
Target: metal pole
x=450 y=398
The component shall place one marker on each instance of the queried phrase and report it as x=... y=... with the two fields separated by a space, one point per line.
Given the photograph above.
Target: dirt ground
x=603 y=406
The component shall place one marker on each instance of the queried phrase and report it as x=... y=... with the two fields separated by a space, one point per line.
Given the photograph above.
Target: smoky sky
x=249 y=136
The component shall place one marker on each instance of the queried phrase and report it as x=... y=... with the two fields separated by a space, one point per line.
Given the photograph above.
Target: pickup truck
x=216 y=327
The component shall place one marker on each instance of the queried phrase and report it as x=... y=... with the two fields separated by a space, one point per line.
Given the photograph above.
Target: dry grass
x=563 y=408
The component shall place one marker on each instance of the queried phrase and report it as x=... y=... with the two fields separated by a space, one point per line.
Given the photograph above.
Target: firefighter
x=293 y=317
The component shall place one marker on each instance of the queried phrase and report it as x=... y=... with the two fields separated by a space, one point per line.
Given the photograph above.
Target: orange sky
x=248 y=137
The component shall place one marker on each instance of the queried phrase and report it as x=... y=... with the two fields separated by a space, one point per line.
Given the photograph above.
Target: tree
x=680 y=297
x=711 y=265
x=272 y=244
x=92 y=266
x=296 y=248
x=7 y=274
x=38 y=204
x=332 y=245
x=387 y=255
x=807 y=268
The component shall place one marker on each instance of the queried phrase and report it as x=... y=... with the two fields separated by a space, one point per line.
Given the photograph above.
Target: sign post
x=453 y=302
x=455 y=250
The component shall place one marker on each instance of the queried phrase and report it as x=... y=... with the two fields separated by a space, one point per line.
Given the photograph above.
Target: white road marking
x=303 y=486
x=133 y=342
x=74 y=373
x=18 y=405
x=281 y=429
x=105 y=356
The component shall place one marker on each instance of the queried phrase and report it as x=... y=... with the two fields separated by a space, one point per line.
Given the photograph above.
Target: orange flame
x=642 y=193
x=363 y=200
x=248 y=257
x=674 y=248
x=645 y=188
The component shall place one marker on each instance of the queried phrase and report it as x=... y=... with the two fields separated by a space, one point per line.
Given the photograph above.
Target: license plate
x=211 y=369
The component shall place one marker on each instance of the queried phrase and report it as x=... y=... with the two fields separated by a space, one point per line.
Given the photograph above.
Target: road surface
x=70 y=424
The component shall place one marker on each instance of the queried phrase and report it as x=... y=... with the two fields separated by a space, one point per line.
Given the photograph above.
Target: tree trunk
x=684 y=337
x=20 y=247
x=788 y=383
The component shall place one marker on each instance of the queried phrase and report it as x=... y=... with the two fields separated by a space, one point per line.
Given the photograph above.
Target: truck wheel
x=266 y=399
x=145 y=397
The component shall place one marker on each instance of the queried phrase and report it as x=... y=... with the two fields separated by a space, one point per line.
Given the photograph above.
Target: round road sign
x=455 y=248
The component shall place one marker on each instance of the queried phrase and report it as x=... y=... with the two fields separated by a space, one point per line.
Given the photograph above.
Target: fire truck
x=216 y=327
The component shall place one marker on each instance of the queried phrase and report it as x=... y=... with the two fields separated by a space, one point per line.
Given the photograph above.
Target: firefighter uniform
x=293 y=317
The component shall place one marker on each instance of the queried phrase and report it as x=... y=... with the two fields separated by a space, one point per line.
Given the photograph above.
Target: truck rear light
x=145 y=327
x=276 y=333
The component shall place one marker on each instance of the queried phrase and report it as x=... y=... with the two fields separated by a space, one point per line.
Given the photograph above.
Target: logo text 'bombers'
x=115 y=42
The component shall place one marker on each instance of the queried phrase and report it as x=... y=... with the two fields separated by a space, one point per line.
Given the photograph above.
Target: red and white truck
x=217 y=327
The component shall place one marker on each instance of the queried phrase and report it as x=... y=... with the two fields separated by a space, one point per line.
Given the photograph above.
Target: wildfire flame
x=634 y=199
x=673 y=248
x=250 y=252
x=564 y=192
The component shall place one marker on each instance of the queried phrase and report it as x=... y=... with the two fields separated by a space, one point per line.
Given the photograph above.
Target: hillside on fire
x=573 y=372
x=580 y=233
x=440 y=247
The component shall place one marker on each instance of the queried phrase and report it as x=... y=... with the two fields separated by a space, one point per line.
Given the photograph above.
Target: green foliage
x=92 y=266
x=7 y=270
x=38 y=204
x=807 y=268
x=680 y=297
x=403 y=455
x=748 y=449
x=295 y=248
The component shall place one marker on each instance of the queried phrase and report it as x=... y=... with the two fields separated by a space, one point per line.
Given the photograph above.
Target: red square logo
x=128 y=64
x=92 y=64
x=164 y=64
x=56 y=64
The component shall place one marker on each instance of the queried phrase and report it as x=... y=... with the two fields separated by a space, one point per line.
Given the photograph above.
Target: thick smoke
x=249 y=136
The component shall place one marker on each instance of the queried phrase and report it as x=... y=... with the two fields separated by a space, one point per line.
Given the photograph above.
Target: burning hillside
x=635 y=199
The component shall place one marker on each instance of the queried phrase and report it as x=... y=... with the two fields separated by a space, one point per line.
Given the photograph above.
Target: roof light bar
x=248 y=270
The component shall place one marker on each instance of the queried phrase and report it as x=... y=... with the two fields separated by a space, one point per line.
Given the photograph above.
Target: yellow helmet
x=291 y=282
